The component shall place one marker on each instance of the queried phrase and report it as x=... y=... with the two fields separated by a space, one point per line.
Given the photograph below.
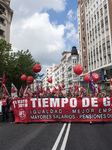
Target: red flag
x=13 y=91
x=48 y=90
x=5 y=91
x=4 y=79
x=76 y=87
x=70 y=91
x=83 y=90
x=60 y=88
x=54 y=90
x=41 y=90
x=26 y=90
x=99 y=89
x=21 y=90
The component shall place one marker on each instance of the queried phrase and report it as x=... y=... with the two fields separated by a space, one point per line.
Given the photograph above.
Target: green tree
x=5 y=48
x=20 y=63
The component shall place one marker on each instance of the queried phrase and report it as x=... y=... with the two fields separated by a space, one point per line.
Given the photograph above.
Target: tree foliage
x=15 y=64
x=5 y=48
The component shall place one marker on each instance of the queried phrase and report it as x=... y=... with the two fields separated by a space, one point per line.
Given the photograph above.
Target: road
x=55 y=136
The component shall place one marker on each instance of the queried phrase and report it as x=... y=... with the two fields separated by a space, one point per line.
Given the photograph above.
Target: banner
x=62 y=109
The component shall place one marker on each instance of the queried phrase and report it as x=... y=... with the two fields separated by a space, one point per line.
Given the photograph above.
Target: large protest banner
x=62 y=109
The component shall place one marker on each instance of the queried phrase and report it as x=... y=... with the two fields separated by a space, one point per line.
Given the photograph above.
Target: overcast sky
x=45 y=27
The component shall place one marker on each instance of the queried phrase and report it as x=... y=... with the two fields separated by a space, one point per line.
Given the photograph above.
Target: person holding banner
x=12 y=113
x=4 y=100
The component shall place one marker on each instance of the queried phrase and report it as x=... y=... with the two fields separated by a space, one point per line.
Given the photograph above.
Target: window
x=94 y=64
x=83 y=30
x=87 y=26
x=89 y=55
x=90 y=23
x=97 y=63
x=84 y=49
x=2 y=20
x=82 y=4
x=105 y=8
x=101 y=61
x=101 y=12
x=109 y=58
x=108 y=44
x=1 y=32
x=104 y=60
x=98 y=26
x=97 y=50
x=95 y=29
x=82 y=21
x=102 y=23
x=100 y=48
x=85 y=68
x=2 y=9
x=106 y=20
x=83 y=39
x=94 y=52
x=98 y=15
x=92 y=20
x=82 y=13
x=90 y=34
x=84 y=58
x=103 y=47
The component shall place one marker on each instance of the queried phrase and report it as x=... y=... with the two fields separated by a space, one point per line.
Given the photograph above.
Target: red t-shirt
x=4 y=102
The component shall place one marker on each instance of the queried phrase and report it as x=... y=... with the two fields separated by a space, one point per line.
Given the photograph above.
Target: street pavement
x=55 y=136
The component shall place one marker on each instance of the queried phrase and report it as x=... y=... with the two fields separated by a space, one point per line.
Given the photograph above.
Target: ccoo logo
x=22 y=114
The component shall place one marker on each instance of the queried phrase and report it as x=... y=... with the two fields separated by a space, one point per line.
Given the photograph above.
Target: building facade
x=63 y=73
x=6 y=14
x=95 y=36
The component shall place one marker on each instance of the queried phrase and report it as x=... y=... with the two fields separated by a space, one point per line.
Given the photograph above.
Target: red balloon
x=23 y=77
x=78 y=69
x=30 y=80
x=96 y=77
x=37 y=68
x=63 y=85
x=49 y=80
x=86 y=78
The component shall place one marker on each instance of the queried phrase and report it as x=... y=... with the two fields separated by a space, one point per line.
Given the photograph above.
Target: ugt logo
x=22 y=114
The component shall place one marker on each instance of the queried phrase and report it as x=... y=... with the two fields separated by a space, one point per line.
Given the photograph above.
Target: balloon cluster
x=95 y=76
x=78 y=70
x=30 y=79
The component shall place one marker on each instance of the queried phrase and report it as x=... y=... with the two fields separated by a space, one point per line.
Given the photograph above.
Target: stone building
x=6 y=14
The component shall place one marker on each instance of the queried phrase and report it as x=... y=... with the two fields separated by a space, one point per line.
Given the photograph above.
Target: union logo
x=22 y=114
x=96 y=76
